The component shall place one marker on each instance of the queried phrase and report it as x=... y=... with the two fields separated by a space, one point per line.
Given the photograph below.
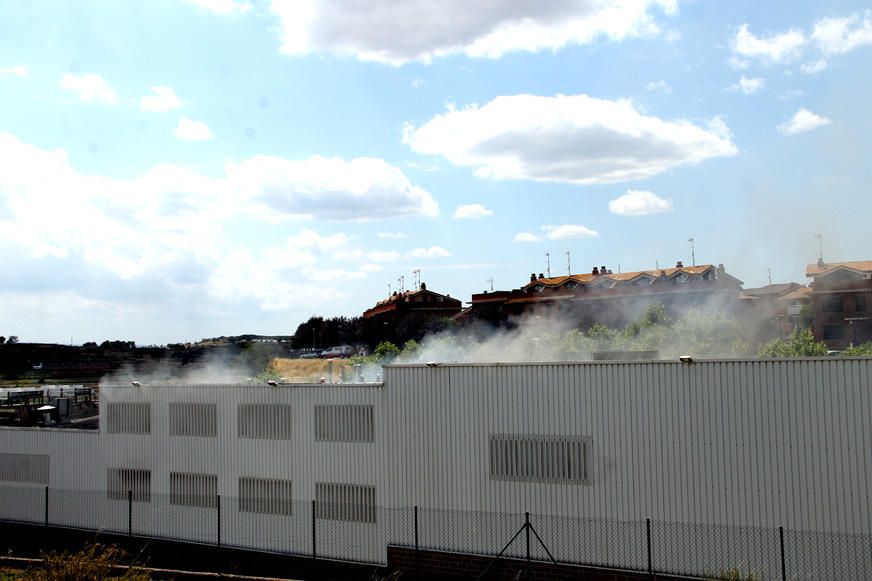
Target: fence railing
x=362 y=533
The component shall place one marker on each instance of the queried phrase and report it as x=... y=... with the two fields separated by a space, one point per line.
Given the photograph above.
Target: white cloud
x=432 y=252
x=384 y=31
x=469 y=211
x=775 y=49
x=574 y=139
x=569 y=232
x=841 y=35
x=332 y=188
x=804 y=120
x=383 y=256
x=191 y=130
x=659 y=86
x=89 y=88
x=417 y=83
x=162 y=99
x=813 y=67
x=13 y=71
x=748 y=86
x=639 y=203
x=392 y=235
x=224 y=7
x=526 y=237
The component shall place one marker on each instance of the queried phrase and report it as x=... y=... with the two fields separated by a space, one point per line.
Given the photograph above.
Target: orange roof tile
x=858 y=265
x=623 y=276
x=803 y=292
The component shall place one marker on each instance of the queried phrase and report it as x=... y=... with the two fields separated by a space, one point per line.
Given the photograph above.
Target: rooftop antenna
x=490 y=281
x=548 y=263
x=692 y=251
x=820 y=238
x=402 y=281
x=657 y=264
x=389 y=289
x=568 y=264
x=417 y=274
x=769 y=270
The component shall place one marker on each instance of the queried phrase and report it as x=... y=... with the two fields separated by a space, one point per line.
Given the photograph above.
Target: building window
x=346 y=502
x=199 y=490
x=833 y=304
x=31 y=468
x=135 y=481
x=539 y=458
x=129 y=418
x=264 y=421
x=344 y=423
x=265 y=496
x=860 y=303
x=834 y=332
x=194 y=419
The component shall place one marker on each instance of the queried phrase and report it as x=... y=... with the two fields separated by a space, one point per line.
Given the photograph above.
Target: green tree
x=411 y=348
x=862 y=350
x=800 y=343
x=386 y=351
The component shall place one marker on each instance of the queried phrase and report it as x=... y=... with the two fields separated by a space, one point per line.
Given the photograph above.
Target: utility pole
x=820 y=238
x=548 y=263
x=692 y=251
x=568 y=265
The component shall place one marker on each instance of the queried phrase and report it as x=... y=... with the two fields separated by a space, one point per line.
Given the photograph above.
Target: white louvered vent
x=265 y=495
x=346 y=502
x=344 y=423
x=539 y=458
x=129 y=418
x=194 y=419
x=24 y=468
x=120 y=481
x=200 y=490
x=264 y=421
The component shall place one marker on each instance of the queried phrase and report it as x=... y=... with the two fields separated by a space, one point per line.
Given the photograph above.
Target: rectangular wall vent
x=194 y=419
x=128 y=418
x=344 y=423
x=539 y=458
x=24 y=468
x=120 y=481
x=346 y=502
x=199 y=490
x=264 y=421
x=265 y=496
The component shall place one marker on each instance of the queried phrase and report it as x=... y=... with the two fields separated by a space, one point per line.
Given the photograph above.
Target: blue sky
x=178 y=169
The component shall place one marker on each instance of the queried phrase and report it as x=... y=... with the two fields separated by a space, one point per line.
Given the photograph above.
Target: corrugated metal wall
x=753 y=443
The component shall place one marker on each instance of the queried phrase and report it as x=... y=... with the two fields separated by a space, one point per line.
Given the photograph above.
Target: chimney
x=541 y=275
x=423 y=286
x=679 y=264
x=610 y=271
x=595 y=271
x=602 y=269
x=532 y=277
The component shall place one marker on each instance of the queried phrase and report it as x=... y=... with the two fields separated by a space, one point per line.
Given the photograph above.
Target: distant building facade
x=774 y=310
x=419 y=303
x=841 y=300
x=605 y=297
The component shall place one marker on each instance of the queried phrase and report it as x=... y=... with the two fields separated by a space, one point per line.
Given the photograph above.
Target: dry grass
x=306 y=370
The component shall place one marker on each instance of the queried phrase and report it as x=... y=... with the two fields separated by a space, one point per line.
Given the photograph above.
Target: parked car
x=312 y=355
x=338 y=351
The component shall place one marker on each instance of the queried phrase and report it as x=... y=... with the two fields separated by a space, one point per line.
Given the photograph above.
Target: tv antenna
x=769 y=271
x=389 y=289
x=820 y=238
x=417 y=274
x=402 y=281
x=548 y=263
x=490 y=281
x=692 y=251
x=568 y=265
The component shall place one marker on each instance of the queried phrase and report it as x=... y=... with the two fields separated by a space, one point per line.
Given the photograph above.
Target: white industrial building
x=717 y=454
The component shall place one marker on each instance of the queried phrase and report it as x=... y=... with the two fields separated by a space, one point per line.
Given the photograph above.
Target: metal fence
x=349 y=533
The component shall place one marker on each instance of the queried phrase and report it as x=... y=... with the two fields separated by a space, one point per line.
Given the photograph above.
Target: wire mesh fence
x=363 y=534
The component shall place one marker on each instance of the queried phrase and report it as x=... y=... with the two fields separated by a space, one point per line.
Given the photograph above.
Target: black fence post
x=314 y=553
x=218 y=506
x=783 y=563
x=129 y=513
x=527 y=530
x=416 y=528
x=46 y=506
x=648 y=535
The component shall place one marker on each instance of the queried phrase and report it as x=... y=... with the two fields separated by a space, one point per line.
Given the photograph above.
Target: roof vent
x=679 y=264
